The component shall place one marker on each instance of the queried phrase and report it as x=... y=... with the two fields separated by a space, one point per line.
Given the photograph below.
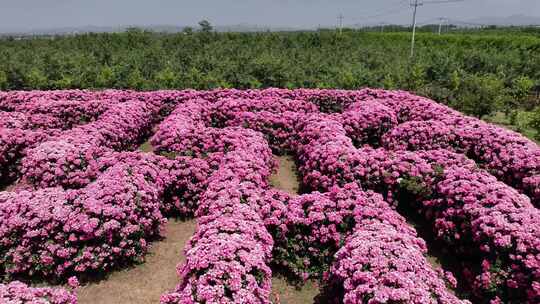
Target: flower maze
x=80 y=200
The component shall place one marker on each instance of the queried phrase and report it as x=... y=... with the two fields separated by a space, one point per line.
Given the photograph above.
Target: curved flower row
x=366 y=121
x=383 y=261
x=13 y=146
x=19 y=120
x=227 y=258
x=480 y=218
x=71 y=160
x=506 y=155
x=308 y=229
x=54 y=233
x=379 y=264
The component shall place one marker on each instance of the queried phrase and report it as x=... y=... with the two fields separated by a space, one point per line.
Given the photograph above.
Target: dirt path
x=144 y=284
x=286 y=178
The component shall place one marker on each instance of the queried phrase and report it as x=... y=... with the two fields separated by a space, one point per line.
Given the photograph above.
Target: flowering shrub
x=505 y=154
x=62 y=163
x=378 y=264
x=278 y=129
x=13 y=146
x=366 y=121
x=17 y=292
x=54 y=233
x=188 y=180
x=19 y=120
x=316 y=226
x=474 y=212
x=226 y=109
x=226 y=262
x=414 y=178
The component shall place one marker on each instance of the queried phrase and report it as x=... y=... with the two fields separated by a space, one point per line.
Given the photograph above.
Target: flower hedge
x=55 y=233
x=18 y=292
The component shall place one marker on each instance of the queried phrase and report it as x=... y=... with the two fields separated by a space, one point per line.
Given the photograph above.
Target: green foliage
x=481 y=94
x=167 y=78
x=205 y=25
x=3 y=80
x=105 y=78
x=134 y=79
x=535 y=122
x=518 y=97
x=36 y=79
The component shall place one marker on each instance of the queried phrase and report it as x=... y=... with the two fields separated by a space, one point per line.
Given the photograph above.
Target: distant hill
x=514 y=20
x=154 y=28
x=517 y=20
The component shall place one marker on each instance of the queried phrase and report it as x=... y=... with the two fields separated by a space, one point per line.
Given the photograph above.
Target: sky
x=48 y=14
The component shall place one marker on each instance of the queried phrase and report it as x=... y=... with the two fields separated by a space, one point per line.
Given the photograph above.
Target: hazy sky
x=43 y=14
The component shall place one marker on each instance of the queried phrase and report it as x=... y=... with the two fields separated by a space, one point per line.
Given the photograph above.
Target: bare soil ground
x=144 y=284
x=286 y=178
x=288 y=294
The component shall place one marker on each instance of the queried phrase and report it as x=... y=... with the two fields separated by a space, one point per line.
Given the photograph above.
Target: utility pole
x=414 y=4
x=382 y=27
x=441 y=20
x=340 y=22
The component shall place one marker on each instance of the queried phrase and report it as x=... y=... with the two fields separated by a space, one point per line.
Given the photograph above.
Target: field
x=292 y=196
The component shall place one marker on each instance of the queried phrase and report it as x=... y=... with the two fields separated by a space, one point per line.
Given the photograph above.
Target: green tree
x=535 y=122
x=517 y=97
x=3 y=80
x=481 y=95
x=135 y=80
x=36 y=79
x=167 y=79
x=106 y=77
x=206 y=26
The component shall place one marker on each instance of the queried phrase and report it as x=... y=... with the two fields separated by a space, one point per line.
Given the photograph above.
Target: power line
x=442 y=1
x=386 y=12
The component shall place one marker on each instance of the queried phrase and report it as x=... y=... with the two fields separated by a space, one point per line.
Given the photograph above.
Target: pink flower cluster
x=228 y=256
x=64 y=114
x=366 y=121
x=18 y=292
x=13 y=146
x=71 y=160
x=26 y=121
x=317 y=224
x=54 y=233
x=507 y=155
x=379 y=264
x=62 y=163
